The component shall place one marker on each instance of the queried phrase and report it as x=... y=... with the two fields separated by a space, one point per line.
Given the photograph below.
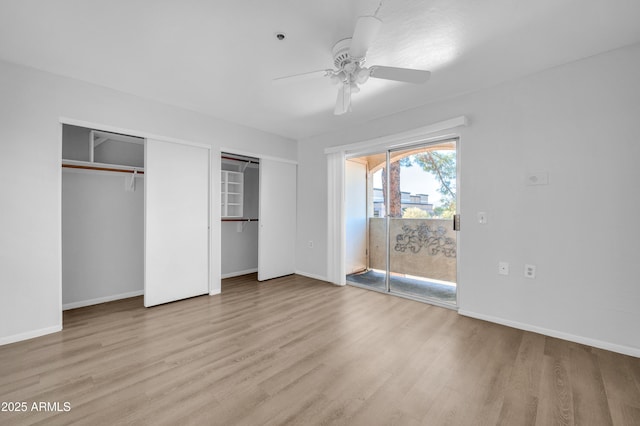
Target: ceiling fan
x=349 y=57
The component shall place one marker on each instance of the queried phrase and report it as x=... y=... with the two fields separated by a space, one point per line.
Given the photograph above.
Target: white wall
x=102 y=237
x=578 y=122
x=239 y=248
x=31 y=105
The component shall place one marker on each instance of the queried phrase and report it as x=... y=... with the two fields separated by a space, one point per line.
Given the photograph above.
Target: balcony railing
x=419 y=247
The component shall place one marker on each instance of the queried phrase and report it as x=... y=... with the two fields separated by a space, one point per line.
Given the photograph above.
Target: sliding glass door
x=411 y=198
x=422 y=243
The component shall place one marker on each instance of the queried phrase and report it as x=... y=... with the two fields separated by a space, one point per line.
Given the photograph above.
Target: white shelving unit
x=232 y=193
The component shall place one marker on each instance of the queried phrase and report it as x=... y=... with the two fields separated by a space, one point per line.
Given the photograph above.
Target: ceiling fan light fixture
x=363 y=75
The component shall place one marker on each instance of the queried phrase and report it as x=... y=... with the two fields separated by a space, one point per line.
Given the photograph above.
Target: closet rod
x=103 y=169
x=239 y=220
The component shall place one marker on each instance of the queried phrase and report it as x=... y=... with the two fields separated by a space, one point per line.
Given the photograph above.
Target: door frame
x=445 y=129
x=417 y=144
x=215 y=212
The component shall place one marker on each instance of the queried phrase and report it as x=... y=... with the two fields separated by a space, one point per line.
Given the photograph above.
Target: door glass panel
x=422 y=202
x=366 y=246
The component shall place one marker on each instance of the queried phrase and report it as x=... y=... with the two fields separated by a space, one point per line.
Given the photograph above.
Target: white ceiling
x=219 y=56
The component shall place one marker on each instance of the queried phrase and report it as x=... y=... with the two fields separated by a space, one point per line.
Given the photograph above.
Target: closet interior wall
x=102 y=221
x=240 y=235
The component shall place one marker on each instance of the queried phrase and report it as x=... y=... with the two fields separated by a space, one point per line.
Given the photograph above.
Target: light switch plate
x=482 y=218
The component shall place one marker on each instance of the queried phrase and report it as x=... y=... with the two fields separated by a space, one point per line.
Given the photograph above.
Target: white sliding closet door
x=277 y=231
x=176 y=221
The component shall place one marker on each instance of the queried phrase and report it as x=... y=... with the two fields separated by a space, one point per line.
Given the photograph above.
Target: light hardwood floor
x=299 y=351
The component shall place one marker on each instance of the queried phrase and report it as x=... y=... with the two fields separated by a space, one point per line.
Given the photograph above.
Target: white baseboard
x=314 y=276
x=99 y=300
x=238 y=273
x=613 y=347
x=29 y=335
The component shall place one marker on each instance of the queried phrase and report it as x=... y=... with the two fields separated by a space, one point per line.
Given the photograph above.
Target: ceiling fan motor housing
x=341 y=53
x=350 y=70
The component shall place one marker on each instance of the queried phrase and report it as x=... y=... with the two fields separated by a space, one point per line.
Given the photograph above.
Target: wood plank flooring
x=299 y=351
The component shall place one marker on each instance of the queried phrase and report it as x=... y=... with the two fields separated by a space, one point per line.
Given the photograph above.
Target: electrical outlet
x=529 y=271
x=310 y=244
x=503 y=268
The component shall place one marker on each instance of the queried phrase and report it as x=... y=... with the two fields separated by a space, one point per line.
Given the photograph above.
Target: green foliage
x=414 y=213
x=442 y=165
x=445 y=211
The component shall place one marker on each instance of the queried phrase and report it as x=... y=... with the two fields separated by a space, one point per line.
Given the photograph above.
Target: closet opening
x=136 y=217
x=240 y=201
x=102 y=216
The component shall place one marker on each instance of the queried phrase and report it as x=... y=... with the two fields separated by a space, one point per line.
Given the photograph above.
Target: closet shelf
x=231 y=195
x=240 y=219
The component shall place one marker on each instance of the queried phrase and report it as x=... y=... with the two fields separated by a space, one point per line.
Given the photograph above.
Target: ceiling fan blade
x=400 y=74
x=343 y=102
x=367 y=28
x=301 y=77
